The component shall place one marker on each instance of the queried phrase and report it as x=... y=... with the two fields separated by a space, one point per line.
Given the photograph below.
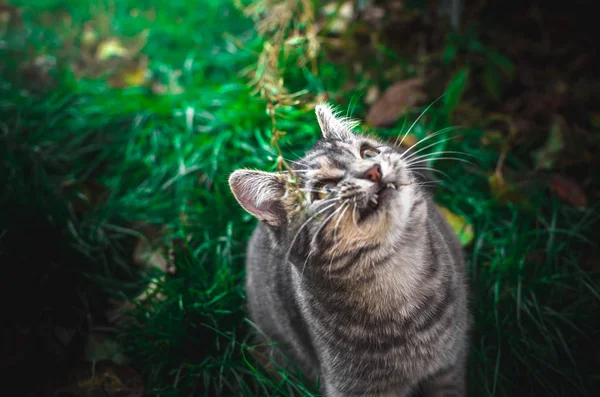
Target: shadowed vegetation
x=121 y=121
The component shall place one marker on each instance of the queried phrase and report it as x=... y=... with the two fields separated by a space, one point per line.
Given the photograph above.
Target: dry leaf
x=546 y=156
x=568 y=190
x=146 y=256
x=99 y=347
x=503 y=191
x=462 y=228
x=105 y=379
x=395 y=101
x=372 y=95
x=135 y=74
x=410 y=140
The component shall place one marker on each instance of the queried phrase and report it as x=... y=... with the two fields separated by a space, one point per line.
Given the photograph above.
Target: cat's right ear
x=333 y=126
x=260 y=193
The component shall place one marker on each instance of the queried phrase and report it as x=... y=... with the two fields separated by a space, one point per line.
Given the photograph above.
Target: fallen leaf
x=462 y=228
x=410 y=140
x=135 y=74
x=395 y=101
x=546 y=156
x=110 y=48
x=145 y=255
x=504 y=192
x=99 y=347
x=568 y=190
x=104 y=379
x=372 y=95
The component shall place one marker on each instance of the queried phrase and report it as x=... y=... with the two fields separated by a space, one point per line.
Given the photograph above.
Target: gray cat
x=354 y=270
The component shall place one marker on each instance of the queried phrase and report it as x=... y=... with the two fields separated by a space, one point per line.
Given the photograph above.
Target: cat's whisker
x=425 y=148
x=433 y=154
x=345 y=204
x=444 y=152
x=417 y=120
x=310 y=190
x=419 y=161
x=428 y=137
x=326 y=221
x=312 y=241
x=293 y=171
x=298 y=160
x=433 y=170
x=310 y=218
x=354 y=214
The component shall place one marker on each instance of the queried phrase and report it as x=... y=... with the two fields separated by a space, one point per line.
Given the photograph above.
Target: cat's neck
x=387 y=286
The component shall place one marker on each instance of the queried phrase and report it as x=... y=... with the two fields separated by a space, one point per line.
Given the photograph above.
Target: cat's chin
x=378 y=203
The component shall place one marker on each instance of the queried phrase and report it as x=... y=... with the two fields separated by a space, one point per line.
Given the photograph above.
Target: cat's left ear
x=332 y=126
x=260 y=193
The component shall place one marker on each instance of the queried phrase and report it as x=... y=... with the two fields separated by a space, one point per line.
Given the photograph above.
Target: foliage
x=135 y=115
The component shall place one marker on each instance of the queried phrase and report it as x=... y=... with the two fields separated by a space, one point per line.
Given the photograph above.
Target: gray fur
x=374 y=303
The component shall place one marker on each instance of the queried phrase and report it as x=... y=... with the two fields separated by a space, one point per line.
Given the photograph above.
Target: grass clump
x=138 y=117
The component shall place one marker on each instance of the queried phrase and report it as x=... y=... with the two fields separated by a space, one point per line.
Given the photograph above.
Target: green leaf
x=462 y=228
x=492 y=81
x=501 y=62
x=455 y=90
x=449 y=53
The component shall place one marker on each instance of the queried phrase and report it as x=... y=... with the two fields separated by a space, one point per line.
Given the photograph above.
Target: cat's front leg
x=448 y=382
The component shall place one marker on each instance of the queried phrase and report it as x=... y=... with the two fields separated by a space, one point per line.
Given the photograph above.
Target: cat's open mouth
x=377 y=200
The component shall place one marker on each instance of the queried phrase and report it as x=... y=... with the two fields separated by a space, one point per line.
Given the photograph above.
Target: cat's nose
x=373 y=174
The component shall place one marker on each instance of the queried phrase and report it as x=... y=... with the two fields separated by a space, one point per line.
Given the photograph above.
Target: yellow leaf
x=462 y=228
x=89 y=37
x=410 y=140
x=110 y=48
x=135 y=77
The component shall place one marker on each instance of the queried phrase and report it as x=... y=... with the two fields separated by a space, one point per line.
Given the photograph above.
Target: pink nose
x=373 y=174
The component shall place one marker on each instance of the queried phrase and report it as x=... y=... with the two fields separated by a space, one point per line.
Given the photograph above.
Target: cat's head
x=355 y=190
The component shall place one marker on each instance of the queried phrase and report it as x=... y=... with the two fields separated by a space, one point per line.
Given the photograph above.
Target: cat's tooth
x=374 y=200
x=391 y=186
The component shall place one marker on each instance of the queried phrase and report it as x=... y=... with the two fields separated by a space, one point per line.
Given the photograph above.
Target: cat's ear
x=260 y=193
x=332 y=126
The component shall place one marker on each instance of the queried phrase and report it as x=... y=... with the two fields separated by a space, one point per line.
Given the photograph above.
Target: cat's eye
x=323 y=190
x=368 y=152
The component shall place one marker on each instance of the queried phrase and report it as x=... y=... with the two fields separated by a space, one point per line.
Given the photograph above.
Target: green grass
x=164 y=160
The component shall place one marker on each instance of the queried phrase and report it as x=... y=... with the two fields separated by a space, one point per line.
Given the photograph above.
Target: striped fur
x=372 y=302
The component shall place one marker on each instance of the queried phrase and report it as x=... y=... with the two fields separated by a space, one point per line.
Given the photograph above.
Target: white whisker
x=311 y=217
x=426 y=147
x=428 y=137
x=418 y=118
x=312 y=241
x=432 y=170
x=354 y=215
x=442 y=158
x=339 y=220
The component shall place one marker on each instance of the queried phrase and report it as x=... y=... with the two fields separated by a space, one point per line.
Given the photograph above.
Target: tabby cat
x=360 y=278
